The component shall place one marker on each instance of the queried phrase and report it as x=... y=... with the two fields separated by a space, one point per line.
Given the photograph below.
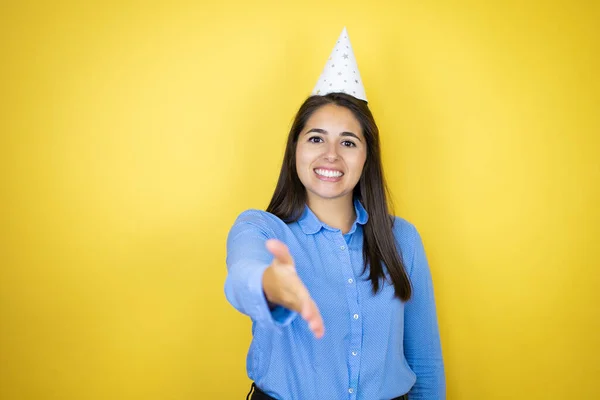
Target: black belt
x=260 y=395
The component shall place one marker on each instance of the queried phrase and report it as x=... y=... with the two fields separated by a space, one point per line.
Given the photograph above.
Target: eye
x=348 y=143
x=315 y=139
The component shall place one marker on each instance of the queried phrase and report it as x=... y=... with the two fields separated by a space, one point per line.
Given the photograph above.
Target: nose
x=331 y=154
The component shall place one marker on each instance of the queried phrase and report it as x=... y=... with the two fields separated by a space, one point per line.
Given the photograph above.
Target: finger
x=303 y=305
x=311 y=314
x=318 y=329
x=315 y=323
x=280 y=251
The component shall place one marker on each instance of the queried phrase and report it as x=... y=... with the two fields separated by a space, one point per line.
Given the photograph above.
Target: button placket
x=343 y=247
x=352 y=293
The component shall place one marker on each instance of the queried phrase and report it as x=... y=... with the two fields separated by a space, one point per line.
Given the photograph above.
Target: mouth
x=328 y=175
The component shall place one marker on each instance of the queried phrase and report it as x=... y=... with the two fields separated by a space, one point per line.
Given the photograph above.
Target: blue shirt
x=375 y=346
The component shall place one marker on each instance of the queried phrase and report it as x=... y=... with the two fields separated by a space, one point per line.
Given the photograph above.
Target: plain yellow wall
x=132 y=135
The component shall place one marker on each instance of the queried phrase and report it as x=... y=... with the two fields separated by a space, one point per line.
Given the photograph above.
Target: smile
x=328 y=174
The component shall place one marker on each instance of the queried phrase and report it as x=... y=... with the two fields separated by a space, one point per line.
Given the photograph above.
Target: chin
x=327 y=195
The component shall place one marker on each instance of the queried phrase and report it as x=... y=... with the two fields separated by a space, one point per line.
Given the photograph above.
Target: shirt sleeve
x=422 y=347
x=247 y=260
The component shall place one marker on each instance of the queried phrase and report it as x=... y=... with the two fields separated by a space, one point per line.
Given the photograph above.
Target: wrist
x=266 y=280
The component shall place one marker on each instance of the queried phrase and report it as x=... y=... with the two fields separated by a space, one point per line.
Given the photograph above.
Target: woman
x=339 y=291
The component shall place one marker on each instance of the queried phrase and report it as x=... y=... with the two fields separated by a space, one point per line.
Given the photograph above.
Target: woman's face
x=330 y=153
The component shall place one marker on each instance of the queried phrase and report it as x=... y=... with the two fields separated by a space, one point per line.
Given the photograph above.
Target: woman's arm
x=422 y=347
x=247 y=260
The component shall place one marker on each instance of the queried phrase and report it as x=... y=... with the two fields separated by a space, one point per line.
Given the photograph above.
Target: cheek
x=301 y=165
x=303 y=157
x=357 y=162
x=299 y=159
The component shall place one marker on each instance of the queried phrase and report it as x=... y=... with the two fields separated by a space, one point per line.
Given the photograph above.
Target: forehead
x=334 y=119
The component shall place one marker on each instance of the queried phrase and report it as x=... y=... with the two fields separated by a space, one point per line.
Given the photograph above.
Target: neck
x=337 y=213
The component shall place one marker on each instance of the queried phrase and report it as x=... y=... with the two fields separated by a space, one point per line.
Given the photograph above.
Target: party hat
x=341 y=71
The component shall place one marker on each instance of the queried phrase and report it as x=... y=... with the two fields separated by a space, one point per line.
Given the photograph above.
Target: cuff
x=279 y=316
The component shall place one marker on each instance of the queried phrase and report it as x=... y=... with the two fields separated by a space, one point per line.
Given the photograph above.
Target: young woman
x=339 y=291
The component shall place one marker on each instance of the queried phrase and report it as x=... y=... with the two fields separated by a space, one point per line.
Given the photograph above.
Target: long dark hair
x=289 y=199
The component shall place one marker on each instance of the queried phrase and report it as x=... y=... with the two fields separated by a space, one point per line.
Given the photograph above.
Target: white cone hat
x=341 y=71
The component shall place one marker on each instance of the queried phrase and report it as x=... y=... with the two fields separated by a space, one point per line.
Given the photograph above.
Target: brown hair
x=289 y=199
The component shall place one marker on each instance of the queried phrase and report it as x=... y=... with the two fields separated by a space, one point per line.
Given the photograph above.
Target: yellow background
x=132 y=135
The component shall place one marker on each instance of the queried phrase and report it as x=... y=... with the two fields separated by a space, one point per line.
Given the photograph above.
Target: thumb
x=280 y=251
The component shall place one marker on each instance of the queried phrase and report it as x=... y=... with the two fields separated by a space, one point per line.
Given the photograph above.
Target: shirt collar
x=310 y=224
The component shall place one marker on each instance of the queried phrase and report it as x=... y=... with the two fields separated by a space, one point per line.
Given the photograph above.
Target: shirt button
x=343 y=247
x=354 y=353
x=350 y=280
x=355 y=316
x=350 y=390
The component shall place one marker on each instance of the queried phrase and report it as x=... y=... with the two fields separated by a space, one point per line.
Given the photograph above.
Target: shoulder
x=260 y=220
x=404 y=231
x=407 y=238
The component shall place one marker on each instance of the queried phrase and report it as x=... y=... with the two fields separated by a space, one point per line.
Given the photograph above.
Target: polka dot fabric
x=375 y=346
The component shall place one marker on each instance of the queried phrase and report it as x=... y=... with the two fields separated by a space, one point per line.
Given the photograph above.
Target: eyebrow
x=323 y=131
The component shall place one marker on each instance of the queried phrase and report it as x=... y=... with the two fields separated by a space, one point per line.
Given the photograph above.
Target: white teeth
x=328 y=173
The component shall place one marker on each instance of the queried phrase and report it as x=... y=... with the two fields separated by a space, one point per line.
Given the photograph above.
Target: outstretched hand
x=283 y=286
